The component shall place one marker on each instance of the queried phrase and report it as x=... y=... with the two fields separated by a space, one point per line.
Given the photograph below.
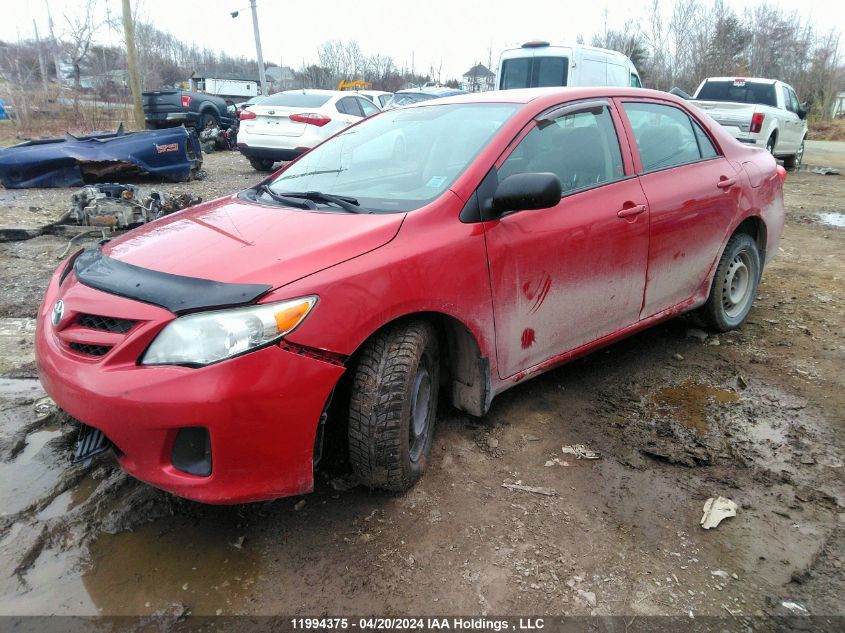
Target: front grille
x=106 y=324
x=90 y=350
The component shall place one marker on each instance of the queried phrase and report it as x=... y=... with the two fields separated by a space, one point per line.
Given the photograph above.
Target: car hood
x=235 y=241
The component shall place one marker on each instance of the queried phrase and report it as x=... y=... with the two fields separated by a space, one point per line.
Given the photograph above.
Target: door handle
x=630 y=211
x=725 y=182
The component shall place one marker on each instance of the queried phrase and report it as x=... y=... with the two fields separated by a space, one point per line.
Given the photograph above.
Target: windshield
x=534 y=72
x=738 y=92
x=295 y=100
x=398 y=160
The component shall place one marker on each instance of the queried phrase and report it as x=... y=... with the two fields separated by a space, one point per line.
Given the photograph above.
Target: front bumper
x=261 y=409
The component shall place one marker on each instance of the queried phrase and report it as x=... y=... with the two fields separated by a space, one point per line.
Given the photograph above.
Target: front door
x=564 y=276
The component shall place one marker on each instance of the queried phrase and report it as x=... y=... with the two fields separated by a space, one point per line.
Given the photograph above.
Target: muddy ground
x=756 y=416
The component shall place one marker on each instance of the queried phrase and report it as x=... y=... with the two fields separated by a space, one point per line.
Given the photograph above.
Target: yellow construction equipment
x=358 y=84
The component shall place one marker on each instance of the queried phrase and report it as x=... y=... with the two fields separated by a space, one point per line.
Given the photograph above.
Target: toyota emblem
x=58 y=312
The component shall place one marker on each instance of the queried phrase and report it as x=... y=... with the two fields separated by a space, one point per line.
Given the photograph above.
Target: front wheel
x=393 y=406
x=734 y=285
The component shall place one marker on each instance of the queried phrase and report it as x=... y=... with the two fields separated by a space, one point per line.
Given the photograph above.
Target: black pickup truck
x=169 y=107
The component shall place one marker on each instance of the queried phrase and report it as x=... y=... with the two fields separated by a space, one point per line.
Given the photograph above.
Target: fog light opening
x=192 y=451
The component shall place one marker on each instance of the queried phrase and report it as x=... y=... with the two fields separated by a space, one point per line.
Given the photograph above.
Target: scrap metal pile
x=117 y=206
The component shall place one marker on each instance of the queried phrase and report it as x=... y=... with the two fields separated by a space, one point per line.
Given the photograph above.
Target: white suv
x=287 y=124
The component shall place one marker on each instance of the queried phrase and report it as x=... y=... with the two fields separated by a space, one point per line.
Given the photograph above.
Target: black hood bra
x=176 y=293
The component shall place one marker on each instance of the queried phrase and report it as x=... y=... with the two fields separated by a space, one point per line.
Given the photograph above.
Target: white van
x=538 y=64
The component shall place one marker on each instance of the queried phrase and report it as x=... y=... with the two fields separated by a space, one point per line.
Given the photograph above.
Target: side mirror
x=527 y=191
x=802 y=113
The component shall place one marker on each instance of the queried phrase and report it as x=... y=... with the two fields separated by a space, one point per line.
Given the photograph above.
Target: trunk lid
x=728 y=113
x=162 y=100
x=275 y=120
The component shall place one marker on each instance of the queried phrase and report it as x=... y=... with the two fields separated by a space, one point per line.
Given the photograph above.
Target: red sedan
x=463 y=244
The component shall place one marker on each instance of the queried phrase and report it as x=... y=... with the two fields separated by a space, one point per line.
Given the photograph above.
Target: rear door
x=693 y=194
x=565 y=276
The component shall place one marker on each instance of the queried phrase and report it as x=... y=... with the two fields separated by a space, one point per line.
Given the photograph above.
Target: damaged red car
x=447 y=250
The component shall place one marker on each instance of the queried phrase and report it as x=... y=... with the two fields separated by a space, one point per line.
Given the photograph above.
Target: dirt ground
x=756 y=415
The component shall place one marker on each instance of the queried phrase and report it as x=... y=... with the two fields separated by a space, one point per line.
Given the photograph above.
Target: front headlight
x=208 y=337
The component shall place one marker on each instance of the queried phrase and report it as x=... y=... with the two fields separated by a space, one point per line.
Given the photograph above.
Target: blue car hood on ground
x=172 y=153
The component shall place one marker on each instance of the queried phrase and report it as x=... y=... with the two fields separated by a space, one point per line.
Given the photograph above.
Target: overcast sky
x=430 y=32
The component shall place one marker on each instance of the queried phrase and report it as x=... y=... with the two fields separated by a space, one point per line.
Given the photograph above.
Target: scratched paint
x=528 y=338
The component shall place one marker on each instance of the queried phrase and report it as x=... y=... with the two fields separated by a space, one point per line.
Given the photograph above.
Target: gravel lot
x=756 y=415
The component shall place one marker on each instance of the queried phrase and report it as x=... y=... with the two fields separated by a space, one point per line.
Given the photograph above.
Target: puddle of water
x=174 y=561
x=833 y=219
x=688 y=402
x=69 y=499
x=32 y=473
x=23 y=388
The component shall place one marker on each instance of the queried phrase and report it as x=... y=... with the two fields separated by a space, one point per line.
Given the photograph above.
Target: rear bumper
x=261 y=410
x=275 y=154
x=171 y=118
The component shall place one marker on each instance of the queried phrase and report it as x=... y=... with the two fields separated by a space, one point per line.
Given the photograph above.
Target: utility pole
x=261 y=74
x=54 y=44
x=132 y=65
x=41 y=65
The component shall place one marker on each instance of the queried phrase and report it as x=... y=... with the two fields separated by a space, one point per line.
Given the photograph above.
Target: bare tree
x=79 y=35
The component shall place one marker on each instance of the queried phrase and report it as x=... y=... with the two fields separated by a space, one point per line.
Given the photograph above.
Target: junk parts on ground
x=172 y=153
x=117 y=206
x=716 y=509
x=216 y=138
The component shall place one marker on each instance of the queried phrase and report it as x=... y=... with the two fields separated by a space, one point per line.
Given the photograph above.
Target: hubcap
x=800 y=155
x=736 y=288
x=420 y=410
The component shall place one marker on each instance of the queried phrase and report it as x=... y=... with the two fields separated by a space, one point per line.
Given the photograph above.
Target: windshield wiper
x=344 y=202
x=289 y=201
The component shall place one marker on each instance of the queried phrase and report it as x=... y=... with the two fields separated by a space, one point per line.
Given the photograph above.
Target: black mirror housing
x=527 y=191
x=802 y=113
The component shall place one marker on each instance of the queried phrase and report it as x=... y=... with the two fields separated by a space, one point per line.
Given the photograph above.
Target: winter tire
x=393 y=406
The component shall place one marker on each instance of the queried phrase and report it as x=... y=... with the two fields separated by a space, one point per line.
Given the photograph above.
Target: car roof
x=316 y=91
x=551 y=95
x=431 y=91
x=758 y=80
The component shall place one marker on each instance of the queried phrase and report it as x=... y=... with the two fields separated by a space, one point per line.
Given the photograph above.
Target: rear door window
x=536 y=72
x=549 y=71
x=665 y=136
x=350 y=105
x=580 y=148
x=516 y=73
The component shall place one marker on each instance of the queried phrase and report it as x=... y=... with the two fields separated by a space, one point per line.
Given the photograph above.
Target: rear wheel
x=794 y=162
x=734 y=285
x=770 y=145
x=261 y=164
x=205 y=119
x=393 y=406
